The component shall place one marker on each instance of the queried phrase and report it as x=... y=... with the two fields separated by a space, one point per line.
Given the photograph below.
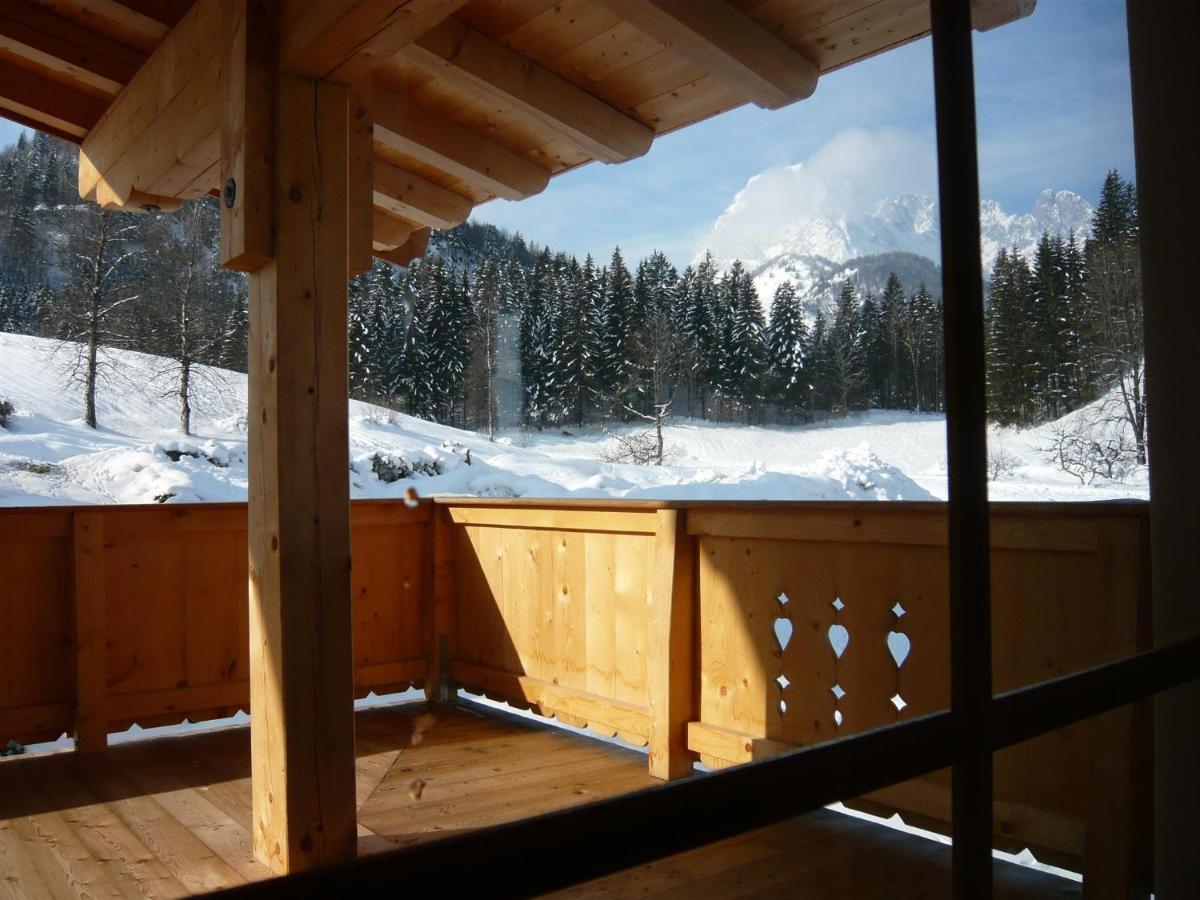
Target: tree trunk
x=185 y=356
x=93 y=344
x=185 y=406
x=89 y=380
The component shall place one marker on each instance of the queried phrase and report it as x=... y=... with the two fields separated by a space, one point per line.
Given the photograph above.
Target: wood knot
x=295 y=194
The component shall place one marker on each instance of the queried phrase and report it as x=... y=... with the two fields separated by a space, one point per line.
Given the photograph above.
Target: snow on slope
x=48 y=456
x=914 y=443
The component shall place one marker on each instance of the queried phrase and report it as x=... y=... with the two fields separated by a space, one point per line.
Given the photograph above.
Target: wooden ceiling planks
x=499 y=95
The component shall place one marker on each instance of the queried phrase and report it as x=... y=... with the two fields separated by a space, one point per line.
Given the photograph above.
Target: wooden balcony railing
x=727 y=632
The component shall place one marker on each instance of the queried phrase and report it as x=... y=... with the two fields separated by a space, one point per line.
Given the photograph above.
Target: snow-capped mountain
x=819 y=246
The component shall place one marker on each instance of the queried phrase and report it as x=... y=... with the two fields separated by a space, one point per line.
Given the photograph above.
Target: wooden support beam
x=345 y=40
x=200 y=164
x=360 y=163
x=731 y=746
x=408 y=251
x=388 y=233
x=670 y=647
x=70 y=51
x=139 y=24
x=413 y=197
x=454 y=51
x=91 y=681
x=247 y=133
x=989 y=14
x=181 y=57
x=301 y=661
x=136 y=201
x=437 y=141
x=65 y=110
x=724 y=41
x=192 y=115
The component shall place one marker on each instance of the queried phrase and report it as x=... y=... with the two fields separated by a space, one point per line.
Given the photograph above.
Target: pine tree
x=748 y=331
x=618 y=325
x=577 y=331
x=698 y=298
x=1113 y=284
x=876 y=374
x=893 y=389
x=847 y=371
x=537 y=343
x=787 y=346
x=820 y=365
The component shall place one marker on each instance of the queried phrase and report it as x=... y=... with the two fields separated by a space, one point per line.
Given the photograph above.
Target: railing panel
x=171 y=639
x=818 y=622
x=36 y=625
x=552 y=610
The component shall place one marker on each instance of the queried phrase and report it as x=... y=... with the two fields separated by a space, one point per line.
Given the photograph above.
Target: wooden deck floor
x=169 y=817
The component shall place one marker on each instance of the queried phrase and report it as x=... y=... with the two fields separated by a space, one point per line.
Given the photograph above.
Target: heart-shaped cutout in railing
x=839 y=639
x=783 y=632
x=898 y=645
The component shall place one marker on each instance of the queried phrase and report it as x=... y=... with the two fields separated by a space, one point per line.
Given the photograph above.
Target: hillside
x=47 y=455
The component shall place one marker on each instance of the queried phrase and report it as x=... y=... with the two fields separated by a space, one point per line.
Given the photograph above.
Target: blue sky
x=1053 y=110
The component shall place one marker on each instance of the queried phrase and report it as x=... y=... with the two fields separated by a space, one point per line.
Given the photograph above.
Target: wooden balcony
x=716 y=632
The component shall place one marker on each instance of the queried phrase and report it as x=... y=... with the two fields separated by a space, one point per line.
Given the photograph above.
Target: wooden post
x=440 y=621
x=91 y=680
x=1162 y=60
x=1118 y=855
x=670 y=647
x=301 y=665
x=361 y=166
x=247 y=78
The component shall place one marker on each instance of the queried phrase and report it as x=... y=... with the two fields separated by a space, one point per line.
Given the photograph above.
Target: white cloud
x=843 y=179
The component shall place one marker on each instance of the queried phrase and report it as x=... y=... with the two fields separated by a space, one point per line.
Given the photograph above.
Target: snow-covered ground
x=48 y=456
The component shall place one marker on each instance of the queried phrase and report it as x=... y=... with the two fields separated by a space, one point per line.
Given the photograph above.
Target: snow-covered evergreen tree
x=787 y=345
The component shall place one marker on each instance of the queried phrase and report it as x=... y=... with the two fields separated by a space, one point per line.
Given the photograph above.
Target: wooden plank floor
x=169 y=817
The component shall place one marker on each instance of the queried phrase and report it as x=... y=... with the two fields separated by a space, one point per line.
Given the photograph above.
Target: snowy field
x=48 y=456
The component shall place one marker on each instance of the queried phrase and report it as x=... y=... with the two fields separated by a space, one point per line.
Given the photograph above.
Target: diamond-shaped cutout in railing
x=838 y=604
x=783 y=682
x=783 y=598
x=837 y=718
x=898 y=610
x=783 y=707
x=899 y=702
x=838 y=691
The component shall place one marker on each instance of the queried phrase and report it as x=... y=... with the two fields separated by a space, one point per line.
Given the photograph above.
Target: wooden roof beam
x=719 y=38
x=388 y=232
x=113 y=157
x=440 y=142
x=66 y=49
x=454 y=51
x=989 y=14
x=64 y=110
x=345 y=40
x=412 y=197
x=411 y=249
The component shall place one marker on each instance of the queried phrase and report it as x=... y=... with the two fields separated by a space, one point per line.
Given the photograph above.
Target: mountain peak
x=810 y=242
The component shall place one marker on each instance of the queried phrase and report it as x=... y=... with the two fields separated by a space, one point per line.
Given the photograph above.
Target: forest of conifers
x=584 y=342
